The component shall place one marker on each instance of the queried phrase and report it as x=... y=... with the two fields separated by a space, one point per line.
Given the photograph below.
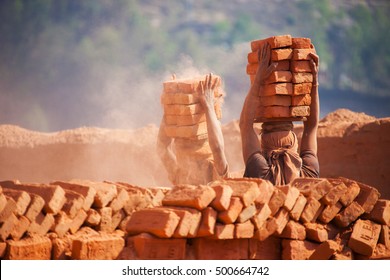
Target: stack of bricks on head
x=286 y=95
x=235 y=218
x=184 y=115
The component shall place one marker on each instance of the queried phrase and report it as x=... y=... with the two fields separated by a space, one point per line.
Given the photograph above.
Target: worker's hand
x=314 y=66
x=206 y=96
x=266 y=67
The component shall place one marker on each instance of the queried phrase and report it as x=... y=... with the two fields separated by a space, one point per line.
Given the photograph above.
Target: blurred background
x=71 y=63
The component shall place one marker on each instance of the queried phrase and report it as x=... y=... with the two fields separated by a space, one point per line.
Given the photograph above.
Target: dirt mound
x=345 y=115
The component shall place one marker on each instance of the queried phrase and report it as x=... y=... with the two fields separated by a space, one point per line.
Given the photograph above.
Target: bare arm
x=214 y=129
x=165 y=152
x=310 y=126
x=249 y=139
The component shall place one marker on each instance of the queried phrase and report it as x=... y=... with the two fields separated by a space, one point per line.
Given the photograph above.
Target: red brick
x=279 y=77
x=36 y=205
x=83 y=189
x=105 y=219
x=351 y=194
x=120 y=200
x=268 y=228
x=381 y=212
x=244 y=230
x=269 y=249
x=78 y=221
x=302 y=88
x=281 y=54
x=21 y=198
x=299 y=111
x=3 y=249
x=282 y=219
x=246 y=190
x=61 y=224
x=212 y=249
x=93 y=218
x=170 y=86
x=301 y=100
x=384 y=236
x=316 y=232
x=42 y=224
x=301 y=43
x=367 y=197
x=277 y=88
x=9 y=208
x=299 y=205
x=380 y=253
x=20 y=228
x=263 y=213
x=275 y=42
x=247 y=213
x=302 y=77
x=297 y=249
x=329 y=212
x=302 y=54
x=325 y=251
x=159 y=222
x=293 y=230
x=273 y=112
x=224 y=231
x=148 y=247
x=7 y=226
x=364 y=237
x=348 y=215
x=74 y=203
x=312 y=187
x=116 y=219
x=312 y=210
x=335 y=193
x=221 y=201
x=229 y=216
x=198 y=197
x=300 y=66
x=30 y=248
x=207 y=224
x=275 y=100
x=292 y=195
x=97 y=247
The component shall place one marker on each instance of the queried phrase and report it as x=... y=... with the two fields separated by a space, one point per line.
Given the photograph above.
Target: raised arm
x=249 y=138
x=214 y=129
x=310 y=126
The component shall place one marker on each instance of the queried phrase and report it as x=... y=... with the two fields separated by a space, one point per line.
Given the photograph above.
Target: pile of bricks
x=286 y=94
x=184 y=115
x=227 y=219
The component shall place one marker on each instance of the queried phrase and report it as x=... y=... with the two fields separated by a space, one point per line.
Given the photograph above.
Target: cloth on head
x=280 y=148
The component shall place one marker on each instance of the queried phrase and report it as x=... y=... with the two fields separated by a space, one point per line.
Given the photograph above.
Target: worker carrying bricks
x=190 y=140
x=276 y=157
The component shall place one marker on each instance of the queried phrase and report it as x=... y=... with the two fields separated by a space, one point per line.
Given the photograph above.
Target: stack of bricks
x=184 y=115
x=50 y=221
x=286 y=94
x=237 y=218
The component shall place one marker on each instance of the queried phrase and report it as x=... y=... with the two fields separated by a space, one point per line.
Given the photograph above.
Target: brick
x=9 y=208
x=183 y=228
x=269 y=228
x=301 y=43
x=36 y=205
x=273 y=112
x=183 y=110
x=223 y=231
x=325 y=251
x=316 y=232
x=335 y=193
x=302 y=88
x=116 y=219
x=297 y=249
x=313 y=209
x=345 y=253
x=61 y=224
x=3 y=202
x=300 y=66
x=329 y=212
x=231 y=214
x=53 y=195
x=246 y=190
x=299 y=111
x=73 y=204
x=105 y=192
x=293 y=230
x=381 y=212
x=105 y=219
x=275 y=42
x=3 y=249
x=188 y=120
x=364 y=237
x=223 y=193
x=301 y=100
x=21 y=198
x=277 y=88
x=93 y=218
x=159 y=222
x=282 y=219
x=263 y=213
x=30 y=248
x=198 y=197
x=247 y=213
x=298 y=208
x=384 y=236
x=281 y=54
x=266 y=190
x=83 y=189
x=269 y=249
x=244 y=230
x=348 y=215
x=367 y=197
x=277 y=200
x=149 y=247
x=97 y=247
x=312 y=187
x=120 y=200
x=292 y=195
x=7 y=226
x=78 y=221
x=302 y=54
x=61 y=248
x=42 y=224
x=216 y=249
x=170 y=86
x=188 y=85
x=208 y=221
x=381 y=252
x=351 y=194
x=275 y=100
x=20 y=228
x=302 y=77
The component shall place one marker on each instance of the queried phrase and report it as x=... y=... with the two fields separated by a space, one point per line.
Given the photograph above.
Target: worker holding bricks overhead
x=190 y=140
x=276 y=157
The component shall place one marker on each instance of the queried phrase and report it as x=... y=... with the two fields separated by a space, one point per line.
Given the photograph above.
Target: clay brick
x=116 y=219
x=312 y=187
x=244 y=230
x=223 y=231
x=316 y=232
x=251 y=68
x=348 y=215
x=281 y=54
x=20 y=228
x=275 y=100
x=149 y=247
x=263 y=213
x=364 y=237
x=183 y=228
x=9 y=208
x=302 y=77
x=293 y=230
x=247 y=213
x=97 y=247
x=30 y=248
x=93 y=218
x=208 y=221
x=351 y=194
x=78 y=221
x=329 y=212
x=335 y=193
x=188 y=86
x=271 y=112
x=292 y=195
x=189 y=120
x=302 y=88
x=21 y=198
x=3 y=202
x=266 y=190
x=42 y=224
x=381 y=252
x=53 y=195
x=198 y=197
x=282 y=219
x=213 y=249
x=300 y=66
x=301 y=43
x=231 y=214
x=299 y=111
x=183 y=110
x=73 y=204
x=325 y=251
x=299 y=205
x=277 y=200
x=381 y=212
x=84 y=189
x=301 y=100
x=170 y=87
x=36 y=205
x=277 y=88
x=312 y=210
x=246 y=190
x=223 y=193
x=297 y=249
x=384 y=236
x=345 y=254
x=3 y=249
x=7 y=226
x=105 y=219
x=269 y=249
x=120 y=200
x=268 y=228
x=367 y=197
x=302 y=54
x=159 y=222
x=275 y=42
